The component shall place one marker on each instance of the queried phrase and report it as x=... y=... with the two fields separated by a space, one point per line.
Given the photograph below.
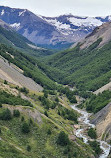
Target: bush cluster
x=6 y=98
x=63 y=139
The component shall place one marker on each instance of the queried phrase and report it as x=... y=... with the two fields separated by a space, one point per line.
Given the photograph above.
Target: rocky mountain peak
x=64 y=29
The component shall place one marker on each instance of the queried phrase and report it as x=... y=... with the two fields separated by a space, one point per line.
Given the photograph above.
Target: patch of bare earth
x=102 y=120
x=105 y=87
x=30 y=112
x=14 y=75
x=7 y=88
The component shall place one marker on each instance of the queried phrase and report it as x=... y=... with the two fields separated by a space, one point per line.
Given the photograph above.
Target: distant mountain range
x=64 y=29
x=10 y=37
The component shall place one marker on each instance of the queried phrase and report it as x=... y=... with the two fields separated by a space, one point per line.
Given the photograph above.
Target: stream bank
x=84 y=121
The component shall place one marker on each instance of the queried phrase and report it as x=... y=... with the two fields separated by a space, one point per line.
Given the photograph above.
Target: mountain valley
x=54 y=103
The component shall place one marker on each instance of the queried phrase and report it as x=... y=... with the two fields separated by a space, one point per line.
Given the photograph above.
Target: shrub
x=22 y=119
x=49 y=132
x=28 y=148
x=40 y=98
x=67 y=150
x=6 y=115
x=5 y=82
x=16 y=113
x=73 y=100
x=0 y=105
x=92 y=133
x=75 y=154
x=45 y=113
x=63 y=139
x=45 y=102
x=54 y=104
x=45 y=94
x=25 y=128
x=24 y=90
x=67 y=114
x=95 y=146
x=30 y=121
x=6 y=98
x=69 y=155
x=57 y=99
x=58 y=112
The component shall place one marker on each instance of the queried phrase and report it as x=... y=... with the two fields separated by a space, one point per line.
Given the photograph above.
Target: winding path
x=85 y=123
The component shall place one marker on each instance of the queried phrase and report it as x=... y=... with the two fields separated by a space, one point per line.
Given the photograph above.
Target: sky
x=60 y=7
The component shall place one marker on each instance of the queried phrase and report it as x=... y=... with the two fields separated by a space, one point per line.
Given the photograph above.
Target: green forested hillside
x=12 y=38
x=96 y=103
x=28 y=64
x=87 y=69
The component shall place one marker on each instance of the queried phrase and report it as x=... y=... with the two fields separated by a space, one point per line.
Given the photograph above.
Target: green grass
x=15 y=142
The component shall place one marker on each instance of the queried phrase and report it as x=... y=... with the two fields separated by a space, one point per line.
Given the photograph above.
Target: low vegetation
x=16 y=113
x=6 y=98
x=5 y=115
x=69 y=93
x=25 y=128
x=97 y=102
x=96 y=147
x=62 y=111
x=63 y=139
x=22 y=136
x=92 y=133
x=67 y=114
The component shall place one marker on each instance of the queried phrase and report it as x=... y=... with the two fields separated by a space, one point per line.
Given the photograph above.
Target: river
x=85 y=123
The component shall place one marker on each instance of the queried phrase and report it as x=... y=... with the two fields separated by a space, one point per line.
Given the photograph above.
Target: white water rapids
x=84 y=120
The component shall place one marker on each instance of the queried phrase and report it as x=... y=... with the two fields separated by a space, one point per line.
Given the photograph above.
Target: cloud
x=57 y=7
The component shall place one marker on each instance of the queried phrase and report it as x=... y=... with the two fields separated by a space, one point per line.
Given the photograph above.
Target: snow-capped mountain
x=75 y=26
x=50 y=30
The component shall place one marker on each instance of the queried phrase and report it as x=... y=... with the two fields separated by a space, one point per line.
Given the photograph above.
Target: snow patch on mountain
x=58 y=24
x=15 y=25
x=3 y=12
x=22 y=13
x=89 y=21
x=69 y=24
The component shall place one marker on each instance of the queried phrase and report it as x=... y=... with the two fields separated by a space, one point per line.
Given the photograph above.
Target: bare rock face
x=50 y=30
x=102 y=120
x=12 y=74
x=102 y=32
